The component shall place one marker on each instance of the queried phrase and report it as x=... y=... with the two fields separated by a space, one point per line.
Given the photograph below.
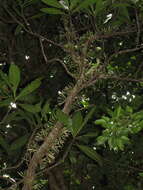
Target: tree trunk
x=50 y=140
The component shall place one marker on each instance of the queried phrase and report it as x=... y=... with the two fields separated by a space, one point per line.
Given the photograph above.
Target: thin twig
x=138 y=69
x=138 y=28
x=6 y=115
x=43 y=52
x=65 y=67
x=30 y=32
x=124 y=52
x=120 y=78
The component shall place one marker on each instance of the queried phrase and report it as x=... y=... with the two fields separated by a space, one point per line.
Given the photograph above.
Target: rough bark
x=50 y=140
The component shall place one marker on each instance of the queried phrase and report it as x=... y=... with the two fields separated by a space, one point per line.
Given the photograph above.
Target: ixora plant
x=88 y=59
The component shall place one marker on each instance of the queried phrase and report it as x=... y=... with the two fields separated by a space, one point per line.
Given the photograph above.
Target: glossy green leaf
x=90 y=152
x=53 y=3
x=52 y=11
x=19 y=143
x=76 y=123
x=29 y=88
x=14 y=77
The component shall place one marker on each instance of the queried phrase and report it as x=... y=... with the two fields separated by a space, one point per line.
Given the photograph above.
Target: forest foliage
x=71 y=85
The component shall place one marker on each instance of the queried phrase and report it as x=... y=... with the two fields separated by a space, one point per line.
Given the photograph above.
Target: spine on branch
x=50 y=141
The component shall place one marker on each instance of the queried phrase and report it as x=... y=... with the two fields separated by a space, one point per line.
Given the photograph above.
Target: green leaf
x=90 y=152
x=99 y=6
x=46 y=109
x=52 y=11
x=19 y=143
x=74 y=3
x=76 y=123
x=90 y=134
x=101 y=122
x=63 y=118
x=53 y=3
x=101 y=140
x=84 y=5
x=5 y=78
x=88 y=116
x=31 y=108
x=14 y=77
x=118 y=112
x=30 y=88
x=6 y=102
x=138 y=115
x=37 y=15
x=129 y=109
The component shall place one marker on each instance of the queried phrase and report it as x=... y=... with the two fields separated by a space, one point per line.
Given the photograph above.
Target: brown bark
x=49 y=142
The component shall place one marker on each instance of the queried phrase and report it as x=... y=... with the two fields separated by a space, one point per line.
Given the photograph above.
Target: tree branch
x=124 y=52
x=50 y=140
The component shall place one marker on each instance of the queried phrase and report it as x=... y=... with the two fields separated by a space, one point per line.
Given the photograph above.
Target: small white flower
x=108 y=17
